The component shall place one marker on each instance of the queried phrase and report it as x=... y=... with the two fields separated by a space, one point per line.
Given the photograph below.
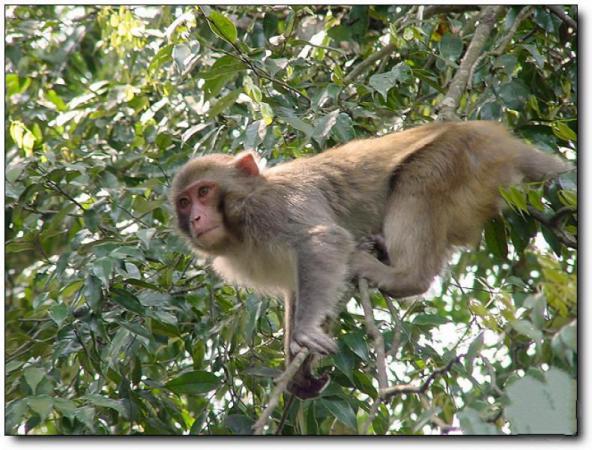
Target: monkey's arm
x=322 y=268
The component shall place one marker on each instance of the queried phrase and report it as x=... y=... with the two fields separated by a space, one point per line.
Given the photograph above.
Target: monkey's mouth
x=202 y=233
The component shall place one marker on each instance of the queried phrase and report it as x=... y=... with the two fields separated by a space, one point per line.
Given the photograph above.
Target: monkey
x=292 y=230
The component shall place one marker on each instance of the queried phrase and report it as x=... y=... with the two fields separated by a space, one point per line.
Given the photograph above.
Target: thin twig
x=287 y=407
x=280 y=387
x=259 y=72
x=410 y=389
x=371 y=416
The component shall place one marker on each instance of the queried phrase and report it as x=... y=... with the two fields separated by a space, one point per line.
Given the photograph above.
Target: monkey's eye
x=184 y=202
x=203 y=191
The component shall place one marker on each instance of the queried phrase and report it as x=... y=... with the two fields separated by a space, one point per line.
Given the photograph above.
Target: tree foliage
x=112 y=327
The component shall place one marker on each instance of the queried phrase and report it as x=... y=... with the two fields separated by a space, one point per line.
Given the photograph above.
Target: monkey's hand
x=313 y=338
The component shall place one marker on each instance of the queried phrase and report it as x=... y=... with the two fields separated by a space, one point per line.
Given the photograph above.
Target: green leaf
x=13 y=172
x=551 y=239
x=102 y=268
x=127 y=300
x=53 y=97
x=181 y=55
x=86 y=415
x=490 y=111
x=514 y=94
x=526 y=328
x=195 y=382
x=507 y=63
x=299 y=125
x=471 y=423
x=12 y=83
x=72 y=288
x=383 y=82
x=538 y=58
x=342 y=411
x=266 y=113
x=344 y=361
x=451 y=47
x=324 y=126
x=132 y=270
x=152 y=298
x=356 y=342
x=105 y=402
x=19 y=246
x=343 y=128
x=538 y=304
x=33 y=376
x=565 y=342
x=563 y=131
x=495 y=238
x=364 y=383
x=222 y=105
x=429 y=319
x=222 y=26
x=92 y=291
x=226 y=65
x=15 y=414
x=162 y=56
x=59 y=313
x=239 y=424
x=65 y=406
x=537 y=407
x=474 y=350
x=535 y=198
x=22 y=136
x=41 y=405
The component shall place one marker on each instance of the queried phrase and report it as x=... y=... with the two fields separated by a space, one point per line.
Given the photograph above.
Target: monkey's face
x=205 y=194
x=199 y=215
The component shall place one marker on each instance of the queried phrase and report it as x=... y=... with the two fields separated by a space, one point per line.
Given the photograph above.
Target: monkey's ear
x=247 y=163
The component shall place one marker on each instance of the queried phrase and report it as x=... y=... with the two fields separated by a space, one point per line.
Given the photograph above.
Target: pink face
x=197 y=209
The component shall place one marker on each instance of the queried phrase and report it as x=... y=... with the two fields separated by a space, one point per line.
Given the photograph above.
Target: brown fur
x=291 y=229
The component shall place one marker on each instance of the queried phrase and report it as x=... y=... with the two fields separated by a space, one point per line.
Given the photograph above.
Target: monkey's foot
x=376 y=245
x=307 y=386
x=313 y=339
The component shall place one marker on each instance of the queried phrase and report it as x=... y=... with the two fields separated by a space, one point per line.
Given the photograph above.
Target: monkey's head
x=201 y=194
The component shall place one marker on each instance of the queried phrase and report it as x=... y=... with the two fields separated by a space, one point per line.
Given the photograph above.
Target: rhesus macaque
x=292 y=229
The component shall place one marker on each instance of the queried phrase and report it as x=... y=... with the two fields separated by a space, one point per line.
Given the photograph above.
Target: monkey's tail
x=539 y=166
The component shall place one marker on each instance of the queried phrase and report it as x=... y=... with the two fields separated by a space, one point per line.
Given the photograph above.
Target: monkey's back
x=459 y=164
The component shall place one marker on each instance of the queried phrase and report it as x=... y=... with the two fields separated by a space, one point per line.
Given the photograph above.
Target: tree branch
x=374 y=332
x=367 y=63
x=552 y=223
x=388 y=49
x=447 y=107
x=523 y=14
x=410 y=389
x=432 y=10
x=559 y=12
x=280 y=387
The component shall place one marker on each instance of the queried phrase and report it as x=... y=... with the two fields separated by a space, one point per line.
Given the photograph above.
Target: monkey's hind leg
x=416 y=242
